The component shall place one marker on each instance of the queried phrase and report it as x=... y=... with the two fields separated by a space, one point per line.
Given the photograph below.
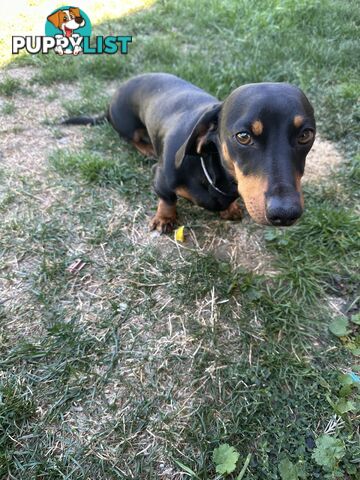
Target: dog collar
x=209 y=179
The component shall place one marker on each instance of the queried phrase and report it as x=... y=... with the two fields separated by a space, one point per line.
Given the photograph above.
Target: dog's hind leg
x=142 y=142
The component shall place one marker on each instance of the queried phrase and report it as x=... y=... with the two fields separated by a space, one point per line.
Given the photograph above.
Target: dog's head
x=67 y=20
x=263 y=133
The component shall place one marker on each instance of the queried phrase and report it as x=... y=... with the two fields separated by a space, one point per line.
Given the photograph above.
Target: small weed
x=10 y=86
x=8 y=108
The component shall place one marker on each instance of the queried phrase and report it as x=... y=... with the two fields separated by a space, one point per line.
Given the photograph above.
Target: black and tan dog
x=253 y=145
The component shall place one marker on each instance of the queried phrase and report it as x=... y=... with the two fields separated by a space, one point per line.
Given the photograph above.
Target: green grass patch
x=9 y=86
x=322 y=246
x=91 y=100
x=125 y=176
x=8 y=108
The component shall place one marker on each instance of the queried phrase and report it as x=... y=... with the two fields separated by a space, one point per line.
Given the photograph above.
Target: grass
x=9 y=86
x=8 y=108
x=155 y=353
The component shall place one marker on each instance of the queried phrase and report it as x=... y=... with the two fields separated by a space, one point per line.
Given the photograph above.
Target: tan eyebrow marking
x=257 y=127
x=298 y=120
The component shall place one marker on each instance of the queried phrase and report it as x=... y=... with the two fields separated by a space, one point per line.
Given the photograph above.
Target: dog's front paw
x=233 y=212
x=59 y=50
x=162 y=224
x=77 y=50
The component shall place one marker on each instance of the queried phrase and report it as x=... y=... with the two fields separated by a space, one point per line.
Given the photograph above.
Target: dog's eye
x=244 y=138
x=64 y=19
x=306 y=136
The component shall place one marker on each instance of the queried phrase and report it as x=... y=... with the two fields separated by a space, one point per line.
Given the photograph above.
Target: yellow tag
x=179 y=234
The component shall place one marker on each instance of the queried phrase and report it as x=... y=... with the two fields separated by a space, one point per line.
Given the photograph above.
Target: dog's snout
x=79 y=20
x=283 y=211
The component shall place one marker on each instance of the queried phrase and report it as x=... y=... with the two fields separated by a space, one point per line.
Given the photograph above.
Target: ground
x=156 y=352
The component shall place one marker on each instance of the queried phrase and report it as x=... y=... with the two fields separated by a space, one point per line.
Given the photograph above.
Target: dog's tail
x=86 y=120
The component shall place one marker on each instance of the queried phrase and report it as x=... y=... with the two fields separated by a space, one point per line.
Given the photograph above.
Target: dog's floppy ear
x=56 y=18
x=199 y=135
x=75 y=11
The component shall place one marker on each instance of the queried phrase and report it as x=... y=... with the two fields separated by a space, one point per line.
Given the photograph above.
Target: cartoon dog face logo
x=67 y=20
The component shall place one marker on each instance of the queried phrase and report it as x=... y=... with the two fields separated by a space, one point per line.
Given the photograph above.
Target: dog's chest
x=210 y=186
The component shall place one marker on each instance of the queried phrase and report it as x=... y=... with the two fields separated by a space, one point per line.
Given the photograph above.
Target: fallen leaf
x=179 y=234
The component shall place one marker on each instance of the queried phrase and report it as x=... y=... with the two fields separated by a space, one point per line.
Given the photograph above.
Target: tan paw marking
x=165 y=219
x=233 y=212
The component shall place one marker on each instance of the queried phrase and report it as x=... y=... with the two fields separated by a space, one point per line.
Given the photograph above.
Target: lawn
x=140 y=364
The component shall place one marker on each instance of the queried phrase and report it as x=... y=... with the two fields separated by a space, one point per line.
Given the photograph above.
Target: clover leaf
x=225 y=458
x=328 y=452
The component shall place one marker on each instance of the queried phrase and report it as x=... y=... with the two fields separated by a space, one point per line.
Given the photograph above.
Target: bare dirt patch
x=26 y=138
x=322 y=161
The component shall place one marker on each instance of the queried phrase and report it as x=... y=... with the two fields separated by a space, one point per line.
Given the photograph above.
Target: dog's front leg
x=77 y=48
x=59 y=49
x=233 y=212
x=164 y=220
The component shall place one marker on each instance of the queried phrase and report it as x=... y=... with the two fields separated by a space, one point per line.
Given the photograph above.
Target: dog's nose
x=79 y=20
x=283 y=211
